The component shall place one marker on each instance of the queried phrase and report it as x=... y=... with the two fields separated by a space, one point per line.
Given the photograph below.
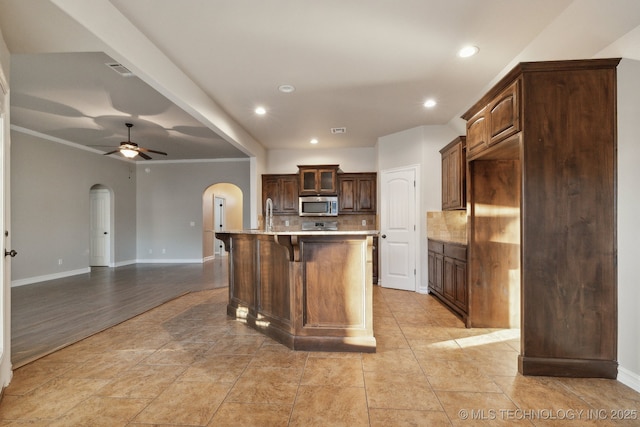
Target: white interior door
x=219 y=209
x=398 y=229
x=100 y=223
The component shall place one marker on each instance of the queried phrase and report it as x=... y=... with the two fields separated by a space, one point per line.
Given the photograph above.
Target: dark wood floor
x=49 y=315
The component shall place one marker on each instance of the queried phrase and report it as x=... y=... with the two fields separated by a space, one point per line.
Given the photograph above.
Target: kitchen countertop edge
x=304 y=233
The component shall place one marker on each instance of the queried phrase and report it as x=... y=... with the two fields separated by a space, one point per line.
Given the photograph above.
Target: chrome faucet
x=268 y=223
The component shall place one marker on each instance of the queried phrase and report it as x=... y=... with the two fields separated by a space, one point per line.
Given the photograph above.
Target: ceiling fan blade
x=144 y=156
x=111 y=152
x=146 y=150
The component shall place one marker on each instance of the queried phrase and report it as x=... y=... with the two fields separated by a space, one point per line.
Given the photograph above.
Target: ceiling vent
x=120 y=69
x=338 y=130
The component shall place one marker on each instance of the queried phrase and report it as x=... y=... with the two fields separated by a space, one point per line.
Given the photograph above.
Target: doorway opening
x=222 y=209
x=100 y=227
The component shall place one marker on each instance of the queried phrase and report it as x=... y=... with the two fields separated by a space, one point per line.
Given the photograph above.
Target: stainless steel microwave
x=318 y=206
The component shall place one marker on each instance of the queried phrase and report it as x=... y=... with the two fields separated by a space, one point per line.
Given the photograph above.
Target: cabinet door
x=308 y=179
x=455 y=176
x=327 y=181
x=289 y=194
x=439 y=273
x=347 y=194
x=366 y=193
x=431 y=263
x=445 y=181
x=504 y=114
x=477 y=133
x=461 y=285
x=270 y=189
x=449 y=285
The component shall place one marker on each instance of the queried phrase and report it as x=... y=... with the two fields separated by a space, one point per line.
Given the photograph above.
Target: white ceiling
x=201 y=67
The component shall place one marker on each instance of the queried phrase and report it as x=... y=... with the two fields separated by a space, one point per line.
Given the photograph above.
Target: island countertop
x=292 y=232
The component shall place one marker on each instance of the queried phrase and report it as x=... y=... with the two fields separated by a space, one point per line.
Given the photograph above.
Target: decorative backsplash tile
x=345 y=222
x=447 y=226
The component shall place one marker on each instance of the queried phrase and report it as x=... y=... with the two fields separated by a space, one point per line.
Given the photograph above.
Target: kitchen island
x=309 y=290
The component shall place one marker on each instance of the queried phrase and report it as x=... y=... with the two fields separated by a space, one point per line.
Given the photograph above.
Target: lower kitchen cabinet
x=448 y=275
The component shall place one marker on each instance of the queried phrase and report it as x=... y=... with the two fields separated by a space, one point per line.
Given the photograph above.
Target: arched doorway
x=100 y=229
x=221 y=210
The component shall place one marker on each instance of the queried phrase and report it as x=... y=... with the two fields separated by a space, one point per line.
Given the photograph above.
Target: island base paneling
x=310 y=292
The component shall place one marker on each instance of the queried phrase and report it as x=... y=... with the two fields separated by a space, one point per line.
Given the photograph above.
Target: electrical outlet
x=60 y=261
x=364 y=222
x=286 y=223
x=164 y=251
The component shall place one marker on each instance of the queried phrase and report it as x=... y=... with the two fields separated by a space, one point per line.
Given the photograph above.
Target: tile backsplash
x=447 y=226
x=345 y=222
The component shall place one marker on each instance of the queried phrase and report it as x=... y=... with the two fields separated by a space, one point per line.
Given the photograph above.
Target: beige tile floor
x=186 y=363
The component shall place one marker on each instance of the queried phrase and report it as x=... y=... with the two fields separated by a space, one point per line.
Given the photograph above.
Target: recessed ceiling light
x=260 y=111
x=286 y=88
x=314 y=141
x=468 y=51
x=430 y=103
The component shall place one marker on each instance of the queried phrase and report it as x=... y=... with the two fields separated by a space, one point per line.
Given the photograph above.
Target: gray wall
x=50 y=185
x=170 y=201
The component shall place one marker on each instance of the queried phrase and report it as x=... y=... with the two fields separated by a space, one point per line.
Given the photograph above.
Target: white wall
x=349 y=159
x=50 y=185
x=233 y=213
x=628 y=223
x=169 y=200
x=419 y=146
x=5 y=223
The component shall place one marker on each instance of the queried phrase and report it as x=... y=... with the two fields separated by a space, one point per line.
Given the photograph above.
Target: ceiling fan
x=131 y=149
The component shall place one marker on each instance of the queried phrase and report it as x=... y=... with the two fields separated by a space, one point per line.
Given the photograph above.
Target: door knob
x=105 y=232
x=384 y=236
x=10 y=253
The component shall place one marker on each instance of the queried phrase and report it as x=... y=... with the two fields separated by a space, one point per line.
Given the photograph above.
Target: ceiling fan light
x=128 y=153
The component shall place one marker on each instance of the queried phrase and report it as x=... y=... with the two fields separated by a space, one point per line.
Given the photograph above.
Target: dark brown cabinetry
x=541 y=151
x=283 y=191
x=447 y=263
x=357 y=193
x=496 y=121
x=454 y=174
x=318 y=179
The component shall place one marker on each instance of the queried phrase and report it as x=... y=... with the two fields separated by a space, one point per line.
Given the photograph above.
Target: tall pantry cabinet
x=541 y=191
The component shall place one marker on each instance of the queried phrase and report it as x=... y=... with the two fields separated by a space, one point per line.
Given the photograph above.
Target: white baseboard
x=169 y=261
x=36 y=279
x=63 y=274
x=628 y=378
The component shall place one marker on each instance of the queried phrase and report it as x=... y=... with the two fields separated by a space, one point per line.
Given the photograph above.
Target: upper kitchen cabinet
x=283 y=191
x=357 y=193
x=454 y=174
x=494 y=122
x=318 y=180
x=541 y=197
